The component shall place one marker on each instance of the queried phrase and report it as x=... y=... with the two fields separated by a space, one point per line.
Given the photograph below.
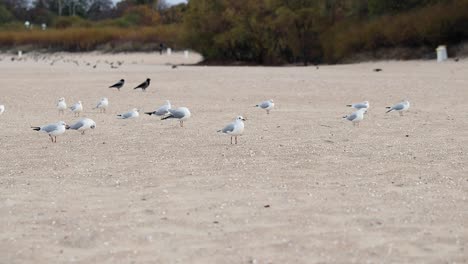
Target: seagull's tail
x=149 y=113
x=166 y=117
x=219 y=130
x=255 y=105
x=389 y=109
x=345 y=116
x=67 y=127
x=349 y=105
x=36 y=128
x=138 y=87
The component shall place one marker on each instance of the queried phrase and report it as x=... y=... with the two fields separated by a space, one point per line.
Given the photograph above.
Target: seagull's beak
x=244 y=119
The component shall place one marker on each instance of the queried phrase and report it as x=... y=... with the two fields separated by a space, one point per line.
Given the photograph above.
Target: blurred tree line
x=293 y=31
x=264 y=31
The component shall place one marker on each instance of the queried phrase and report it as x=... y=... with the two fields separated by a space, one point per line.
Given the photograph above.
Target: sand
x=302 y=186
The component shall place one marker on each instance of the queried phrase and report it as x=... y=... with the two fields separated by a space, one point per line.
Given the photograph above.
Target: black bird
x=118 y=85
x=377 y=70
x=144 y=85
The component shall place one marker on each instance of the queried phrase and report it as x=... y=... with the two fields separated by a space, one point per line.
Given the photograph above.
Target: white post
x=186 y=54
x=441 y=53
x=20 y=54
x=169 y=51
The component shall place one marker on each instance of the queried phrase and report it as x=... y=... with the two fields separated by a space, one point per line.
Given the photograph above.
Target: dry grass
x=87 y=39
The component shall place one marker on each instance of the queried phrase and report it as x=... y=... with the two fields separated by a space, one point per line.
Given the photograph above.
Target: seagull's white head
x=62 y=123
x=135 y=110
x=271 y=100
x=61 y=99
x=104 y=99
x=240 y=118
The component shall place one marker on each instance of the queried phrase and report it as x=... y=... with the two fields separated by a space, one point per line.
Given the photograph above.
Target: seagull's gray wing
x=399 y=106
x=351 y=117
x=77 y=125
x=49 y=128
x=359 y=106
x=265 y=104
x=228 y=128
x=162 y=110
x=127 y=115
x=176 y=113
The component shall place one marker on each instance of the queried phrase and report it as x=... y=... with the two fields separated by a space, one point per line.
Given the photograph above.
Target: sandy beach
x=302 y=186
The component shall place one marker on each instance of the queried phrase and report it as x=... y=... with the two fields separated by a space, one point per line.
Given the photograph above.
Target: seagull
x=358 y=106
x=102 y=105
x=77 y=108
x=53 y=130
x=400 y=107
x=118 y=85
x=2 y=109
x=235 y=128
x=143 y=85
x=131 y=114
x=356 y=117
x=61 y=105
x=267 y=105
x=161 y=111
x=82 y=125
x=181 y=113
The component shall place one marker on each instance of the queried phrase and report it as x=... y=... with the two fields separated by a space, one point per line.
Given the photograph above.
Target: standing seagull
x=356 y=117
x=129 y=115
x=53 y=130
x=83 y=125
x=400 y=107
x=77 y=108
x=143 y=85
x=235 y=128
x=181 y=113
x=61 y=105
x=2 y=109
x=358 y=106
x=102 y=105
x=161 y=111
x=267 y=105
x=118 y=85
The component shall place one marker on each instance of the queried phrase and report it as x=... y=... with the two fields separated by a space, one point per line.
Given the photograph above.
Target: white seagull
x=161 y=111
x=267 y=105
x=53 y=130
x=102 y=105
x=356 y=117
x=181 y=113
x=400 y=107
x=360 y=105
x=82 y=125
x=77 y=108
x=2 y=109
x=129 y=115
x=234 y=129
x=61 y=105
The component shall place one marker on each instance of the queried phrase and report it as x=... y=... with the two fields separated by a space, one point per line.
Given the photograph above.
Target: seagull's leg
x=181 y=123
x=268 y=112
x=82 y=132
x=51 y=138
x=231 y=140
x=236 y=139
x=401 y=113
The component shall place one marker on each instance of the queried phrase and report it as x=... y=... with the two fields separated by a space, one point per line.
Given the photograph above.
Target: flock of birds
x=165 y=111
x=362 y=108
x=233 y=129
